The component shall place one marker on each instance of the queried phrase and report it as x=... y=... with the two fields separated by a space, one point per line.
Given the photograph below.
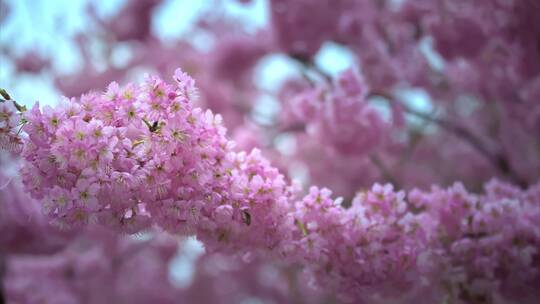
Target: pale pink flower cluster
x=449 y=92
x=103 y=156
x=488 y=39
x=41 y=263
x=480 y=244
x=460 y=245
x=10 y=121
x=137 y=152
x=24 y=228
x=343 y=128
x=100 y=266
x=370 y=248
x=346 y=122
x=143 y=155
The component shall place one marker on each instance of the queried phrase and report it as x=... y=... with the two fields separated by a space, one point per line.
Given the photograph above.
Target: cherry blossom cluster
x=138 y=156
x=396 y=45
x=414 y=44
x=339 y=116
x=143 y=154
x=479 y=244
x=99 y=266
x=10 y=124
x=89 y=155
x=457 y=245
x=436 y=91
x=22 y=222
x=41 y=263
x=366 y=249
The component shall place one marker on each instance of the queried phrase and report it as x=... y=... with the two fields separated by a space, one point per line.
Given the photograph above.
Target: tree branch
x=496 y=158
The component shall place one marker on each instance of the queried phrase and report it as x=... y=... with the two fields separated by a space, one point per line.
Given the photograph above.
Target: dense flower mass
x=365 y=151
x=368 y=248
x=9 y=127
x=139 y=156
x=143 y=154
x=341 y=117
x=483 y=243
x=96 y=265
x=22 y=223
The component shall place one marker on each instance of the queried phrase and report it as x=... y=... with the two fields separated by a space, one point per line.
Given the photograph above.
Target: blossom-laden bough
x=142 y=156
